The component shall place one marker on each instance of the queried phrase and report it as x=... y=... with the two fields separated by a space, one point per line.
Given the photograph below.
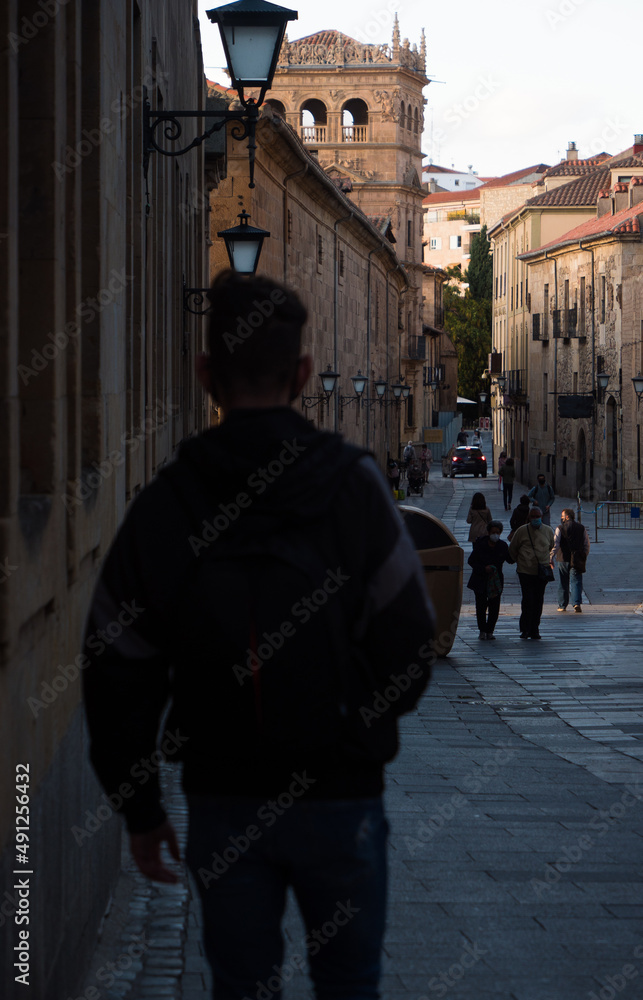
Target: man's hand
x=146 y=851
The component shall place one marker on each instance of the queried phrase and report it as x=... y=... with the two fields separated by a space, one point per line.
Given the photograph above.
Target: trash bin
x=443 y=562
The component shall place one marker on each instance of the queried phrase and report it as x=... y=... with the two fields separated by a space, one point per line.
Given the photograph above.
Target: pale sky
x=521 y=78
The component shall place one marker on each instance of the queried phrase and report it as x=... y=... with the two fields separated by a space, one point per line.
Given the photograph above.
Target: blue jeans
x=570 y=584
x=245 y=852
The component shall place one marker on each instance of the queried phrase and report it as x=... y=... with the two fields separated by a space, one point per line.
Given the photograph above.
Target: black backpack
x=263 y=634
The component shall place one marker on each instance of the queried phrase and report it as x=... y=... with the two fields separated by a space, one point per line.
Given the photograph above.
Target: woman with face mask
x=486 y=561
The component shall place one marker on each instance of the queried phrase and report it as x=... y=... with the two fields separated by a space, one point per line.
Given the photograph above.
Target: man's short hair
x=570 y=513
x=535 y=512
x=254 y=336
x=495 y=526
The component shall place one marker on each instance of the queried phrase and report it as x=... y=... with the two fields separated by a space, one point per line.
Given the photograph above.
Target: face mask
x=536 y=521
x=494 y=538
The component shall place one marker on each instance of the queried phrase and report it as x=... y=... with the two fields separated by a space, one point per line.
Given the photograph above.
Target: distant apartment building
x=437 y=178
x=568 y=193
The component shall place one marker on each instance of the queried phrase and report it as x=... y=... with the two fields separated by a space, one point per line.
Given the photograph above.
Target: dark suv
x=460 y=461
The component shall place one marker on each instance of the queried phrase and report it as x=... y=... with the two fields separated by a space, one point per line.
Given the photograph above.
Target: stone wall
x=97 y=390
x=323 y=246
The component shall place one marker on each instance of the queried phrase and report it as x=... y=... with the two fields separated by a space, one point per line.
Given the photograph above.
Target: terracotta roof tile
x=574 y=168
x=627 y=161
x=625 y=221
x=583 y=191
x=435 y=169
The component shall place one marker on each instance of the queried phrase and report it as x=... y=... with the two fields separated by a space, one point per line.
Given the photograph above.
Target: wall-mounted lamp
x=501 y=382
x=329 y=382
x=637 y=382
x=244 y=243
x=359 y=385
x=482 y=397
x=252 y=32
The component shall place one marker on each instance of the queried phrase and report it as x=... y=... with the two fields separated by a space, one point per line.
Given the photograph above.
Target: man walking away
x=507 y=473
x=570 y=551
x=530 y=548
x=288 y=633
x=542 y=495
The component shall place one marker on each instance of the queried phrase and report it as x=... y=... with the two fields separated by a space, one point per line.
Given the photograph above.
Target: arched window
x=402 y=115
x=416 y=121
x=277 y=106
x=313 y=121
x=355 y=121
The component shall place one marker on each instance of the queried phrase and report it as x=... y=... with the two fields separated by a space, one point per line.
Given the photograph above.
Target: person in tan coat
x=478 y=517
x=530 y=547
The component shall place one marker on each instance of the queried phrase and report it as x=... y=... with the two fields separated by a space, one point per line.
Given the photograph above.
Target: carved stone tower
x=359 y=109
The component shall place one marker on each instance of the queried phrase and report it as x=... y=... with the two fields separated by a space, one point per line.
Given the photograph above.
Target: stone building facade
x=587 y=317
x=359 y=110
x=97 y=390
x=346 y=271
x=566 y=196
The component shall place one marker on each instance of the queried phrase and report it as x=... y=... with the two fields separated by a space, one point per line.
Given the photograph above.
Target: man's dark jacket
x=380 y=621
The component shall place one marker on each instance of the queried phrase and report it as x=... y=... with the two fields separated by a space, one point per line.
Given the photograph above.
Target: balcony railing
x=415 y=348
x=313 y=133
x=354 y=133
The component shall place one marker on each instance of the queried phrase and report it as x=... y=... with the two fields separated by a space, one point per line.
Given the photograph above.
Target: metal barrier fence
x=617 y=514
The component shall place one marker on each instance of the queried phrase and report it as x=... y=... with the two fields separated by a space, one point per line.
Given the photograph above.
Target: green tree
x=467 y=320
x=479 y=274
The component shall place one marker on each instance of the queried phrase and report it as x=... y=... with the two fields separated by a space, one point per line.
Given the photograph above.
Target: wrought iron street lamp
x=244 y=243
x=637 y=382
x=328 y=380
x=252 y=32
x=501 y=382
x=359 y=385
x=483 y=397
x=602 y=381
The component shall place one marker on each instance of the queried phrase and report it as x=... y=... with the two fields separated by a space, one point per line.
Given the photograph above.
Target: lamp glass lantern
x=359 y=383
x=501 y=381
x=602 y=380
x=406 y=391
x=329 y=381
x=637 y=382
x=244 y=243
x=380 y=387
x=483 y=397
x=252 y=32
x=397 y=388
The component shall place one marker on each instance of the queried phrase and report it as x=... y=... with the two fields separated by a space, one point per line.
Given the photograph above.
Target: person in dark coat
x=520 y=514
x=487 y=580
x=284 y=697
x=508 y=475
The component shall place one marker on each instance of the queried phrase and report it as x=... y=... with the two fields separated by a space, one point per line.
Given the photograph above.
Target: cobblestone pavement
x=515 y=806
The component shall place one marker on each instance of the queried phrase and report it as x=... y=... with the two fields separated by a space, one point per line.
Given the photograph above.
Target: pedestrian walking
x=288 y=636
x=477 y=440
x=393 y=474
x=463 y=438
x=530 y=549
x=478 y=517
x=570 y=551
x=487 y=580
x=408 y=455
x=426 y=461
x=542 y=495
x=502 y=458
x=519 y=516
x=508 y=475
